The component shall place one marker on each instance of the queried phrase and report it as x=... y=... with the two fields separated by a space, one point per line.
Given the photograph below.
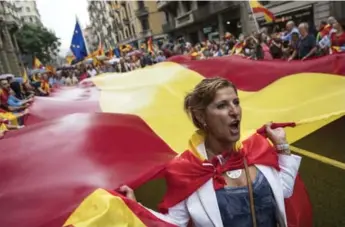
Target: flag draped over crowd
x=85 y=142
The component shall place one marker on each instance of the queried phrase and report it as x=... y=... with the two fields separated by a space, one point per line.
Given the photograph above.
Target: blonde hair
x=202 y=95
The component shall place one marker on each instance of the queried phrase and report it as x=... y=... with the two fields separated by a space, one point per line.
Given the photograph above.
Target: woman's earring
x=205 y=125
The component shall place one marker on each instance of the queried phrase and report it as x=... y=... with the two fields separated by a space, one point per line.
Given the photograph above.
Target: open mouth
x=235 y=127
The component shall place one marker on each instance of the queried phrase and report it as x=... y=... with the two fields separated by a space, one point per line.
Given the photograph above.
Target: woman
x=338 y=37
x=213 y=184
x=276 y=48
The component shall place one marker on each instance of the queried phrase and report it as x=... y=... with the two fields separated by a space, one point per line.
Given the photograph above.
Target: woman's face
x=336 y=25
x=223 y=116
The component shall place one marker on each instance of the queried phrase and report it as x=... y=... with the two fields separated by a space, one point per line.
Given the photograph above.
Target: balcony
x=125 y=21
x=184 y=20
x=213 y=8
x=168 y=27
x=118 y=25
x=146 y=33
x=161 y=4
x=142 y=12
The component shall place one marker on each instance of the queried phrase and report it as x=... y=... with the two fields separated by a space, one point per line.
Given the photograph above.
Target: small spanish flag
x=25 y=75
x=37 y=63
x=149 y=45
x=69 y=59
x=258 y=8
x=110 y=53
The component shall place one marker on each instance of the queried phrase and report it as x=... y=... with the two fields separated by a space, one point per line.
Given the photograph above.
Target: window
x=27 y=9
x=133 y=30
x=127 y=34
x=264 y=2
x=187 y=6
x=31 y=20
x=145 y=24
x=141 y=4
x=167 y=19
x=202 y=3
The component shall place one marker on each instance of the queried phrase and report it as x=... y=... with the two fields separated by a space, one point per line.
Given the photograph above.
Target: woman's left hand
x=277 y=135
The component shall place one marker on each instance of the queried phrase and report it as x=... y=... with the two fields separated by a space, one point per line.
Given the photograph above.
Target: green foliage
x=38 y=41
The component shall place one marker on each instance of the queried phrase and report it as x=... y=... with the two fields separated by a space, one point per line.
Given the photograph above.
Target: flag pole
x=255 y=21
x=82 y=33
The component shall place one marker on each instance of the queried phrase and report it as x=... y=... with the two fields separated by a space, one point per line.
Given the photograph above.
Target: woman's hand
x=128 y=192
x=277 y=135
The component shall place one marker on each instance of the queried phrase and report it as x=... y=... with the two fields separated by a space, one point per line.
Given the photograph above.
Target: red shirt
x=338 y=40
x=4 y=94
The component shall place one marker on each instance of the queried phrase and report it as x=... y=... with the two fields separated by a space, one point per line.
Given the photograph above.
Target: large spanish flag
x=258 y=8
x=128 y=126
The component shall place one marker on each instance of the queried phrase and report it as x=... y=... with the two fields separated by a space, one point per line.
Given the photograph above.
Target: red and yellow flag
x=98 y=52
x=25 y=76
x=37 y=63
x=90 y=137
x=258 y=8
x=110 y=53
x=69 y=59
x=150 y=45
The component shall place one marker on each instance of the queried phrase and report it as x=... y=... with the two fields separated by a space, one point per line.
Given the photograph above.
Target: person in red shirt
x=4 y=96
x=338 y=37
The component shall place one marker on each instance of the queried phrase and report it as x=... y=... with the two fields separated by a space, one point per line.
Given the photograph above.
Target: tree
x=38 y=41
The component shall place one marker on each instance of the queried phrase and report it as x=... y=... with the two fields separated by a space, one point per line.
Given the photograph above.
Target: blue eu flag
x=78 y=44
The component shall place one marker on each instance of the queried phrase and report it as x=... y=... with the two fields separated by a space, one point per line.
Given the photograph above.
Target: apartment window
x=145 y=24
x=187 y=5
x=31 y=20
x=167 y=16
x=133 y=30
x=27 y=9
x=127 y=34
x=202 y=3
x=141 y=4
x=264 y=2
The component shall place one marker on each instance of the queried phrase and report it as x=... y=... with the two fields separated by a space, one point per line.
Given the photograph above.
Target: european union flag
x=78 y=44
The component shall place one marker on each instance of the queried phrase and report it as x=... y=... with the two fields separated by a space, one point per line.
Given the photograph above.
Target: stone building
x=123 y=22
x=199 y=20
x=28 y=12
x=9 y=50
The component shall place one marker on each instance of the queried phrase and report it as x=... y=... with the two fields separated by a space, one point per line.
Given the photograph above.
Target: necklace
x=233 y=174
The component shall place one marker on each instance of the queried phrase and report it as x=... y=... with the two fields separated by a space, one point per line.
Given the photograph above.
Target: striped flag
x=150 y=45
x=37 y=63
x=258 y=8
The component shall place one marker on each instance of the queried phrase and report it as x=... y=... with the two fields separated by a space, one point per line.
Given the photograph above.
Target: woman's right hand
x=128 y=192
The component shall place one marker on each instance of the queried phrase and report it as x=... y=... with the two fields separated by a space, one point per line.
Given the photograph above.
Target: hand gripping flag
x=129 y=127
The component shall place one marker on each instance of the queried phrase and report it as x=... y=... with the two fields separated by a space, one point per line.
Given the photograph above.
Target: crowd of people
x=297 y=42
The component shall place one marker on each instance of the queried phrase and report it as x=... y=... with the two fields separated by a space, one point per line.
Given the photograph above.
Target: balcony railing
x=168 y=27
x=185 y=19
x=146 y=33
x=125 y=21
x=142 y=12
x=162 y=4
x=214 y=7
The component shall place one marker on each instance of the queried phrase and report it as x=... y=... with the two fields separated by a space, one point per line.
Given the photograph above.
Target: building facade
x=124 y=22
x=312 y=12
x=9 y=50
x=28 y=12
x=90 y=38
x=200 y=20
x=148 y=20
